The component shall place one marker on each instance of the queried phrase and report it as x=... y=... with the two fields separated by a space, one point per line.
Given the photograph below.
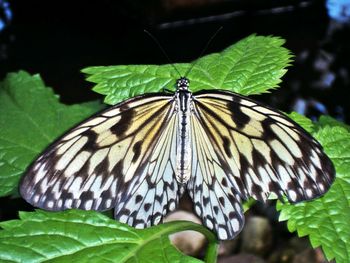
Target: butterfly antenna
x=162 y=49
x=203 y=50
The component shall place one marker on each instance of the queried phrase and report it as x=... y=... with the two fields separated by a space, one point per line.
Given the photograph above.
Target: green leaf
x=252 y=66
x=303 y=121
x=329 y=121
x=31 y=117
x=88 y=236
x=326 y=219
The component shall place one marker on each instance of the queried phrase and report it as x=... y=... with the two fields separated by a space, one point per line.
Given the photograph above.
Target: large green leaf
x=251 y=66
x=326 y=219
x=31 y=117
x=87 y=236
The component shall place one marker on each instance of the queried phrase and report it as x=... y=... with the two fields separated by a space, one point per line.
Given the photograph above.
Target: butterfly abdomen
x=183 y=147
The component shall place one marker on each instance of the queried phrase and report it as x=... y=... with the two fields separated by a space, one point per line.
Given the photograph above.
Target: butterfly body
x=140 y=155
x=184 y=149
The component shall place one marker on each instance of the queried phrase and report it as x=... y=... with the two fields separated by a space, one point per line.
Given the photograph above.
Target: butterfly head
x=182 y=83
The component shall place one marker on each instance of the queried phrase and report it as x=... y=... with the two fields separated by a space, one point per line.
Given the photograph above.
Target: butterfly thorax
x=183 y=146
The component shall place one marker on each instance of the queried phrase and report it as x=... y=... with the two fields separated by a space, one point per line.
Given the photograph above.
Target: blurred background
x=58 y=38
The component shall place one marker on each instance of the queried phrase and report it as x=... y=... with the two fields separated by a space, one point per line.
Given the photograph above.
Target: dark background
x=58 y=38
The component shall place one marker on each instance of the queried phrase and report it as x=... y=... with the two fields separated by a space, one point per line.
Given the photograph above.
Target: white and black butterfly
x=140 y=155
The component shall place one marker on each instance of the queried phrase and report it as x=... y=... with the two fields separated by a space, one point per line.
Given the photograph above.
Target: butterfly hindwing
x=155 y=192
x=110 y=159
x=214 y=201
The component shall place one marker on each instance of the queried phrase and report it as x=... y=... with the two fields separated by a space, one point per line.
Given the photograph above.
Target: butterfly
x=142 y=154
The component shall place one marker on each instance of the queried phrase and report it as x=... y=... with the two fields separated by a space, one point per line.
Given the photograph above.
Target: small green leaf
x=303 y=121
x=252 y=66
x=326 y=219
x=31 y=117
x=88 y=236
x=329 y=121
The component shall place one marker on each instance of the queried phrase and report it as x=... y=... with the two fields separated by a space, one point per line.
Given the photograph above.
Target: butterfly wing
x=213 y=198
x=246 y=149
x=118 y=158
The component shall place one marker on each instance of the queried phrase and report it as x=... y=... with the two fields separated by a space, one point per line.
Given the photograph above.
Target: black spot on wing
x=118 y=169
x=155 y=218
x=106 y=195
x=125 y=121
x=274 y=187
x=125 y=211
x=147 y=206
x=101 y=168
x=206 y=200
x=227 y=144
x=258 y=158
x=232 y=215
x=257 y=191
x=216 y=209
x=222 y=201
x=138 y=199
x=224 y=182
x=65 y=194
x=91 y=143
x=292 y=185
x=137 y=151
x=242 y=183
x=231 y=197
x=87 y=195
x=240 y=118
x=159 y=198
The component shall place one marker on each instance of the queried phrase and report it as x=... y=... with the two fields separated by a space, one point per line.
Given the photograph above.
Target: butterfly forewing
x=245 y=149
x=119 y=157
